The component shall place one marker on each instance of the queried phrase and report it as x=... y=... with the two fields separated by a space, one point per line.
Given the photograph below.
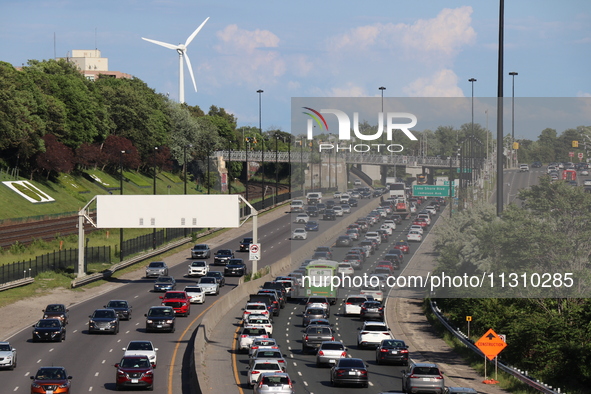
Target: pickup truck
x=314 y=336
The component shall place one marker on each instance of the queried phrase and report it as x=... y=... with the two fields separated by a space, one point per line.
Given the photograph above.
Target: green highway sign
x=431 y=191
x=464 y=170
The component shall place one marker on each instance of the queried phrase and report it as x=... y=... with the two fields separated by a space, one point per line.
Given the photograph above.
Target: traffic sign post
x=490 y=344
x=431 y=191
x=580 y=156
x=254 y=252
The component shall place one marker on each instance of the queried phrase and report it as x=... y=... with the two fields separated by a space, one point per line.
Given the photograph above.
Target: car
x=353 y=233
x=103 y=320
x=387 y=228
x=222 y=257
x=372 y=292
x=392 y=351
x=353 y=202
x=209 y=285
x=414 y=236
x=260 y=366
x=314 y=313
x=160 y=318
x=421 y=377
x=395 y=252
x=299 y=233
x=357 y=182
x=523 y=167
x=354 y=259
x=179 y=301
x=218 y=275
x=403 y=246
x=49 y=330
x=245 y=244
x=329 y=214
x=312 y=225
x=349 y=371
x=536 y=164
x=267 y=354
x=330 y=352
x=392 y=265
x=51 y=380
x=314 y=335
x=296 y=206
x=321 y=208
x=7 y=356
x=255 y=308
x=353 y=304
x=344 y=240
x=247 y=336
x=372 y=310
x=273 y=382
x=346 y=208
x=459 y=390
x=259 y=321
x=312 y=211
x=290 y=285
x=56 y=311
x=584 y=172
x=200 y=251
x=302 y=218
x=276 y=296
x=372 y=333
x=345 y=269
x=373 y=235
x=416 y=227
x=431 y=209
x=142 y=348
x=262 y=343
x=164 y=283
x=420 y=222
x=134 y=371
x=321 y=256
x=338 y=210
x=156 y=269
x=122 y=308
x=321 y=301
x=195 y=293
x=236 y=267
x=198 y=268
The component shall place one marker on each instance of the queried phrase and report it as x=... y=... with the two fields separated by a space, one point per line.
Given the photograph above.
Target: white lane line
x=110 y=350
x=287 y=340
x=15 y=389
x=299 y=373
x=38 y=361
x=119 y=340
x=90 y=388
x=51 y=350
x=295 y=364
x=305 y=383
x=74 y=331
x=96 y=374
x=136 y=296
x=27 y=374
x=371 y=384
x=127 y=332
x=104 y=361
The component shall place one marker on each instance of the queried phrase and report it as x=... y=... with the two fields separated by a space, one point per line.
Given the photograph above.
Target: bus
x=318 y=281
x=569 y=175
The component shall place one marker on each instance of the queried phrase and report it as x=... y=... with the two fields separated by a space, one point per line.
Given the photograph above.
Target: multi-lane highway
x=90 y=358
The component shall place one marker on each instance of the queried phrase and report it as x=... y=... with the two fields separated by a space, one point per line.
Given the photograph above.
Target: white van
x=297 y=206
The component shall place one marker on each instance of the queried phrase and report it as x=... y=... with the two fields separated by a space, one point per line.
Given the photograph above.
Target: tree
x=90 y=155
x=112 y=149
x=56 y=158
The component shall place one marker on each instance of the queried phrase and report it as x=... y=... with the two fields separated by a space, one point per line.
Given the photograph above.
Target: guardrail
x=518 y=374
x=16 y=283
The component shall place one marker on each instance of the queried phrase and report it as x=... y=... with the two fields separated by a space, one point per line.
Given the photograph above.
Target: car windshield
x=54 y=308
x=200 y=247
x=269 y=354
x=198 y=264
x=267 y=367
x=165 y=279
x=48 y=324
x=207 y=280
x=117 y=304
x=264 y=342
x=140 y=345
x=332 y=346
x=375 y=328
x=135 y=363
x=315 y=312
x=254 y=332
x=193 y=289
x=50 y=374
x=4 y=348
x=161 y=312
x=393 y=343
x=425 y=371
x=104 y=314
x=356 y=300
x=318 y=331
x=351 y=363
x=174 y=295
x=224 y=252
x=275 y=380
x=156 y=265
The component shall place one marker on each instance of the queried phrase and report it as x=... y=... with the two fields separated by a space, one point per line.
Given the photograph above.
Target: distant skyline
x=332 y=48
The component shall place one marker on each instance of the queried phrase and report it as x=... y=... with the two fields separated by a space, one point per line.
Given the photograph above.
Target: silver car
x=209 y=285
x=329 y=352
x=156 y=269
x=421 y=377
x=7 y=356
x=273 y=382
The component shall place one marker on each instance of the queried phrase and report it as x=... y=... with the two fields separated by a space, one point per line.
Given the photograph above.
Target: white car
x=584 y=172
x=258 y=308
x=302 y=218
x=425 y=216
x=414 y=236
x=338 y=210
x=353 y=304
x=142 y=348
x=386 y=228
x=196 y=294
x=337 y=195
x=416 y=227
x=209 y=285
x=347 y=207
x=357 y=182
x=373 y=333
x=259 y=321
x=374 y=235
x=431 y=209
x=299 y=233
x=345 y=269
x=390 y=223
x=198 y=268
x=262 y=343
x=413 y=207
x=262 y=366
x=7 y=355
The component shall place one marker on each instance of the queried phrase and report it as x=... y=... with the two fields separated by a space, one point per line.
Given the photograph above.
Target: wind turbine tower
x=182 y=51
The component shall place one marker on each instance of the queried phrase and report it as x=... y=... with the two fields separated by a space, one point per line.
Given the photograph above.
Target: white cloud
x=583 y=94
x=443 y=83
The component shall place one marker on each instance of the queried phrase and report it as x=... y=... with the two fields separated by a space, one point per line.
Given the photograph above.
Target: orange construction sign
x=490 y=344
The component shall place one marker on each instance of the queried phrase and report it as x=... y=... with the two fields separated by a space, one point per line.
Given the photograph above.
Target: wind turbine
x=182 y=51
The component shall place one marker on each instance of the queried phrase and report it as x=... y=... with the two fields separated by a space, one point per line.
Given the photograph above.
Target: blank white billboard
x=167 y=211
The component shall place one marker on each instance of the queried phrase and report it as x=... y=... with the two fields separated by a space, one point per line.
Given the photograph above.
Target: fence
x=60 y=260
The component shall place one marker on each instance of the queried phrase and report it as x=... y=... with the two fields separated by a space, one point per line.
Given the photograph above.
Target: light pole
x=229 y=178
x=381 y=88
x=276 y=168
x=154 y=232
x=208 y=172
x=329 y=165
x=472 y=80
x=246 y=146
x=121 y=153
x=513 y=158
x=289 y=162
x=260 y=91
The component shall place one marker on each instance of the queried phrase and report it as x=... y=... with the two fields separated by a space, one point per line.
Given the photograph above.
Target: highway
x=302 y=367
x=89 y=359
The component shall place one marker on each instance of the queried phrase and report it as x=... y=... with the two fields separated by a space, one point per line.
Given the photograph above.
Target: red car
x=134 y=371
x=420 y=222
x=402 y=246
x=387 y=264
x=179 y=301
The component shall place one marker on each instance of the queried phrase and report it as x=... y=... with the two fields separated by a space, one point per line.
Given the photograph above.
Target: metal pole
x=289 y=163
x=500 y=111
x=208 y=172
x=121 y=193
x=513 y=156
x=154 y=232
x=246 y=146
x=260 y=91
x=276 y=169
x=229 y=167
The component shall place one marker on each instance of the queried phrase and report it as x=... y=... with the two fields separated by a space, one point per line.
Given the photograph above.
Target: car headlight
x=62 y=386
x=149 y=321
x=9 y=357
x=152 y=357
x=35 y=385
x=169 y=321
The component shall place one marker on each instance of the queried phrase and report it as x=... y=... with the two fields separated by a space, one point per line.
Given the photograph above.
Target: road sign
x=468 y=318
x=431 y=191
x=254 y=252
x=464 y=170
x=580 y=155
x=490 y=344
x=571 y=154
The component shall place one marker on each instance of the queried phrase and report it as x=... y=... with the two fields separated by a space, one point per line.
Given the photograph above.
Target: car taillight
x=384 y=350
x=332 y=339
x=344 y=354
x=321 y=353
x=438 y=377
x=413 y=377
x=275 y=347
x=364 y=332
x=254 y=347
x=348 y=303
x=282 y=361
x=363 y=372
x=243 y=336
x=404 y=351
x=264 y=336
x=253 y=372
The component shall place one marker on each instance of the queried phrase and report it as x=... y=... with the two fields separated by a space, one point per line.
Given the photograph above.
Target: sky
x=425 y=48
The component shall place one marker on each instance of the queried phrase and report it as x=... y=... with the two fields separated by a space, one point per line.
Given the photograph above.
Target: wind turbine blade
x=190 y=70
x=195 y=32
x=164 y=44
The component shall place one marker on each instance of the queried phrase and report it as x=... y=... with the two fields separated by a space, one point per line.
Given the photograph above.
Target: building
x=91 y=64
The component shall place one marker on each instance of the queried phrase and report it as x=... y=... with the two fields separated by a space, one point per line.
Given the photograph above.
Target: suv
x=48 y=378
x=134 y=371
x=198 y=268
x=223 y=256
x=104 y=320
x=372 y=334
x=179 y=301
x=523 y=167
x=122 y=308
x=56 y=311
x=422 y=377
x=200 y=251
x=314 y=336
x=160 y=318
x=312 y=211
x=245 y=244
x=156 y=269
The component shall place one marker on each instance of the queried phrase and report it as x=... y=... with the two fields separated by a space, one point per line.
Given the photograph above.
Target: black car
x=353 y=202
x=223 y=256
x=349 y=371
x=235 y=267
x=245 y=244
x=321 y=208
x=200 y=251
x=56 y=311
x=103 y=320
x=372 y=310
x=122 y=308
x=314 y=313
x=49 y=330
x=392 y=350
x=329 y=214
x=344 y=240
x=536 y=164
x=219 y=277
x=312 y=211
x=399 y=254
x=160 y=318
x=397 y=219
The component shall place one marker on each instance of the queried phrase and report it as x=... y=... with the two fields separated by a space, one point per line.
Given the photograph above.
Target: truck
x=401 y=205
x=390 y=180
x=314 y=198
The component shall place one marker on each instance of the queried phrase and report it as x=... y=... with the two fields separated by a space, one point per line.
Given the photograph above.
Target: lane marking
x=234 y=364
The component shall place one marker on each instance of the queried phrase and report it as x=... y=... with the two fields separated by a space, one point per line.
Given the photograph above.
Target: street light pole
x=121 y=193
x=276 y=168
x=472 y=80
x=246 y=146
x=154 y=232
x=229 y=177
x=260 y=91
x=289 y=162
x=329 y=164
x=513 y=158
